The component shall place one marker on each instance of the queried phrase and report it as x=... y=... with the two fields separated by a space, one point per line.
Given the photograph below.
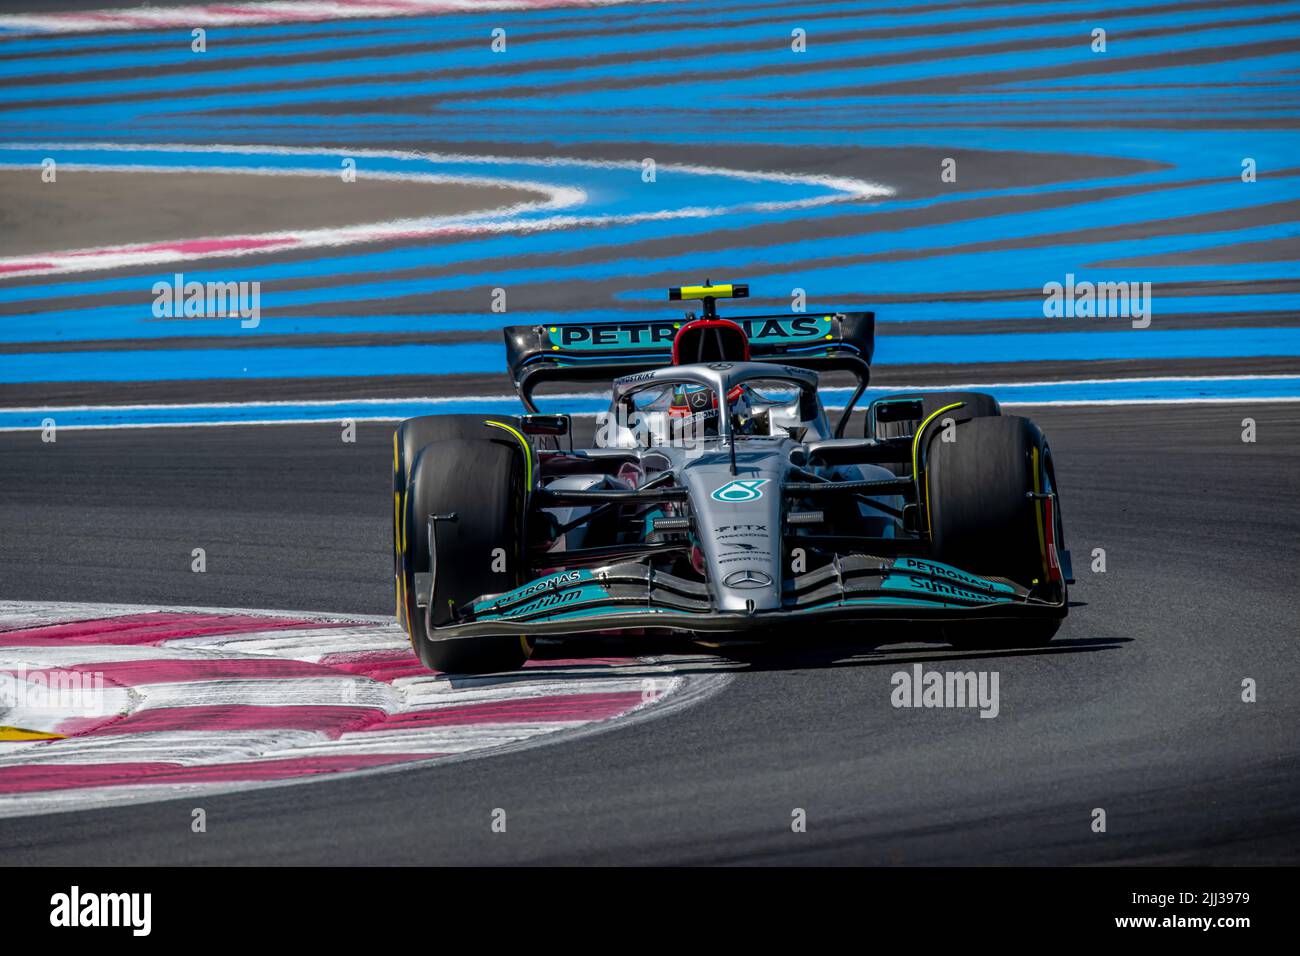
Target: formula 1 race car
x=717 y=498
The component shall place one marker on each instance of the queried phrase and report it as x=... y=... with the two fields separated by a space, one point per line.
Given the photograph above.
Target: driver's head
x=710 y=340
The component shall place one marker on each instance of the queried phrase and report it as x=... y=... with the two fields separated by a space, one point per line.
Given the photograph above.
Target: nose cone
x=738 y=521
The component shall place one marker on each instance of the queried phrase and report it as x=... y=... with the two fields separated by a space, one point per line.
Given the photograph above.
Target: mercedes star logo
x=747 y=578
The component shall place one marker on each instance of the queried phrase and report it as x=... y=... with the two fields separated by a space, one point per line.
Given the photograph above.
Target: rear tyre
x=982 y=518
x=409 y=438
x=482 y=482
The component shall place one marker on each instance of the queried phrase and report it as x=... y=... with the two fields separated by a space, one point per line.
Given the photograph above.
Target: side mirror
x=545 y=424
x=903 y=410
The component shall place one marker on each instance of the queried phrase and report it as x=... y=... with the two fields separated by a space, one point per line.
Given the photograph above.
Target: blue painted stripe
x=434 y=360
x=116 y=323
x=1010 y=269
x=816 y=99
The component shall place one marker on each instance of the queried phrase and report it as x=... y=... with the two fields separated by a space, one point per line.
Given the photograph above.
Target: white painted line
x=507 y=219
x=853 y=187
x=161 y=251
x=268 y=12
x=509 y=398
x=1094 y=381
x=311 y=403
x=1260 y=400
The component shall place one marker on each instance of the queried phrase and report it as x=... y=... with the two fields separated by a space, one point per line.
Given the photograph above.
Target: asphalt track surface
x=1135 y=707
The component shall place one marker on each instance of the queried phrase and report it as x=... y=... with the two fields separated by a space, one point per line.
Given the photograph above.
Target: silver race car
x=717 y=497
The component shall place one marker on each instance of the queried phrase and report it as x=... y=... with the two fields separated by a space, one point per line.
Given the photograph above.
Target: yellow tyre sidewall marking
x=525 y=644
x=916 y=447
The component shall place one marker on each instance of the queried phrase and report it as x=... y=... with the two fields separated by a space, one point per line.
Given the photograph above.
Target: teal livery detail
x=941 y=590
x=955 y=575
x=555 y=590
x=623 y=336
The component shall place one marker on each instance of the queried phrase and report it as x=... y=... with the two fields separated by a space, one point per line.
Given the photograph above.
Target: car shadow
x=587 y=659
x=859 y=655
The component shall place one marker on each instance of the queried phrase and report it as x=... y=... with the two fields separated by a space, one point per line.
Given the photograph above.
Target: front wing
x=635 y=596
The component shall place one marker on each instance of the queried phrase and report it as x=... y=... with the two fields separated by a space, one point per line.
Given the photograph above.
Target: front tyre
x=481 y=481
x=983 y=517
x=408 y=440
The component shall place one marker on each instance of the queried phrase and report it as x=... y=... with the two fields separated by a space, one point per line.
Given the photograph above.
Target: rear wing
x=603 y=351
